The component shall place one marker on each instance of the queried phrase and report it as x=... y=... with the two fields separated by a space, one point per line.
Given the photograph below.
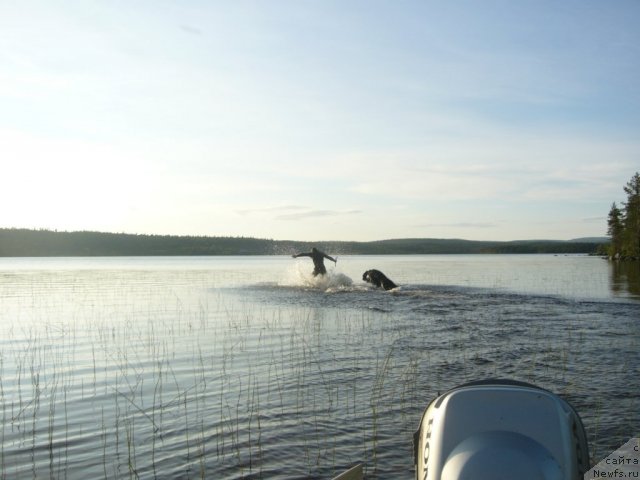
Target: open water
x=248 y=367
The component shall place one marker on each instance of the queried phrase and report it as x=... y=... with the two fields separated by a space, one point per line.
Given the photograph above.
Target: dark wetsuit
x=318 y=260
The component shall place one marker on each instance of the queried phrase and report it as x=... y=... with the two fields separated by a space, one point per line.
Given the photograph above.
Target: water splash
x=300 y=275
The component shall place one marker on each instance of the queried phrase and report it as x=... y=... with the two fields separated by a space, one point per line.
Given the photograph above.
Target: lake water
x=248 y=367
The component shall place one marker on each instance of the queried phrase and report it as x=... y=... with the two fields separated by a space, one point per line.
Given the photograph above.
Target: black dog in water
x=379 y=279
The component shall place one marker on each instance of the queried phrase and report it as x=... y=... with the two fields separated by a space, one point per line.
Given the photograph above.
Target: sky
x=319 y=119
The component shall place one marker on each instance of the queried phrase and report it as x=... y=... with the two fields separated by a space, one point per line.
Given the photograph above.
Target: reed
x=120 y=348
x=104 y=442
x=4 y=419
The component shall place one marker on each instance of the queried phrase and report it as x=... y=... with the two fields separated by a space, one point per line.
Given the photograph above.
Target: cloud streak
x=465 y=225
x=316 y=213
x=250 y=211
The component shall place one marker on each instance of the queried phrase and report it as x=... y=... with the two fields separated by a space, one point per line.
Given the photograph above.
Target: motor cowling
x=500 y=429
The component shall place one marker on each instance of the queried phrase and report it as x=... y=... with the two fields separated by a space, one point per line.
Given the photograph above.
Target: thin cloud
x=600 y=220
x=316 y=213
x=249 y=211
x=191 y=30
x=459 y=225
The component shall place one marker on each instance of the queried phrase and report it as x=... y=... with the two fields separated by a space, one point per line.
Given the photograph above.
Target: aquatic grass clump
x=57 y=381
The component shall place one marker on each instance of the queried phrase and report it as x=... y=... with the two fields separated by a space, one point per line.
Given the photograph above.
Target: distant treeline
x=46 y=243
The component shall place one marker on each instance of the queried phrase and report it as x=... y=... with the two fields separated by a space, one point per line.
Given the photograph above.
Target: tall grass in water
x=209 y=385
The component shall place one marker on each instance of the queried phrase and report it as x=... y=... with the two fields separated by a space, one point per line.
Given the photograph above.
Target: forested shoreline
x=623 y=224
x=16 y=242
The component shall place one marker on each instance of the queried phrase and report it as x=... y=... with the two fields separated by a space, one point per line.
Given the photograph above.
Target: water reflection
x=625 y=278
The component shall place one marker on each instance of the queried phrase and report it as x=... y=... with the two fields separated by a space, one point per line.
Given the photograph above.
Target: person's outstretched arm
x=330 y=258
x=296 y=255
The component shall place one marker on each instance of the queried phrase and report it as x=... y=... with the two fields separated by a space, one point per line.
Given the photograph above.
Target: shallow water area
x=250 y=367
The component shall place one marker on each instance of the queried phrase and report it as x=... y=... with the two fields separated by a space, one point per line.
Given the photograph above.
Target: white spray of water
x=300 y=275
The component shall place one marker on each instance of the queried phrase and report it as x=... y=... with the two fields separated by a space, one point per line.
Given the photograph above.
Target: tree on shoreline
x=624 y=225
x=614 y=230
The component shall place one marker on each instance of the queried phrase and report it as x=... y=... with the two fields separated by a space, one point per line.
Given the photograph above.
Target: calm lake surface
x=248 y=367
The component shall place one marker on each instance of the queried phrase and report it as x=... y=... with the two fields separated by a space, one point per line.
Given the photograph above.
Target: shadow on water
x=625 y=278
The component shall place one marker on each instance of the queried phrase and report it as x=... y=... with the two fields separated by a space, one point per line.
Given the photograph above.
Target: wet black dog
x=379 y=279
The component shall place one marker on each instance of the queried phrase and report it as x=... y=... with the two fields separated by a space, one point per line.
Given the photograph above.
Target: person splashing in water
x=318 y=260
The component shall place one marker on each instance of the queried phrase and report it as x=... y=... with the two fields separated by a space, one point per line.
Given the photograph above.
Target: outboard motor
x=500 y=429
